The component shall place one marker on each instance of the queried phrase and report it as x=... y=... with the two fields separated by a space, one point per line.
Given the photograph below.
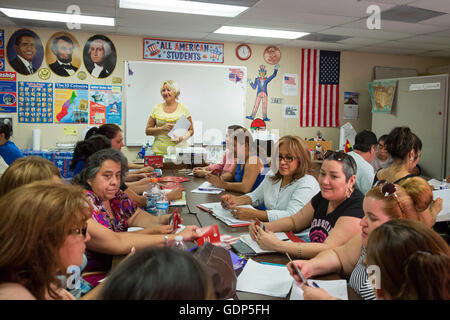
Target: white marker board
x=211 y=93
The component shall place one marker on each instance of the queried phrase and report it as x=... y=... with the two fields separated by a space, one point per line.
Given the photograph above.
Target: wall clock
x=243 y=51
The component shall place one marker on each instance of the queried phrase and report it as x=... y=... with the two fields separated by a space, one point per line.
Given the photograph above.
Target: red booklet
x=208 y=234
x=173 y=179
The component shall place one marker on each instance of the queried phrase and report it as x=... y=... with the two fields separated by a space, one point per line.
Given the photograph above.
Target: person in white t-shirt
x=364 y=153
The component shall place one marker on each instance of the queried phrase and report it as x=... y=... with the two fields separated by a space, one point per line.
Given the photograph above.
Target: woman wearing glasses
x=43 y=232
x=333 y=215
x=114 y=212
x=410 y=199
x=281 y=194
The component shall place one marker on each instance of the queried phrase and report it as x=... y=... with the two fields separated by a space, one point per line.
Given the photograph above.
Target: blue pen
x=274 y=264
x=315 y=285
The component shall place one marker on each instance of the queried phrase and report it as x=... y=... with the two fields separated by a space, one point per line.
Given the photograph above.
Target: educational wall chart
x=35 y=102
x=8 y=96
x=105 y=104
x=71 y=102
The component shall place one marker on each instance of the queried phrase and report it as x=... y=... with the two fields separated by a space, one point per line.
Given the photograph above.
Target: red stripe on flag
x=308 y=72
x=301 y=91
x=337 y=106
x=331 y=105
x=314 y=83
x=319 y=119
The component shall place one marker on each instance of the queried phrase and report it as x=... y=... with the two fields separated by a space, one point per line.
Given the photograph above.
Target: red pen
x=204 y=209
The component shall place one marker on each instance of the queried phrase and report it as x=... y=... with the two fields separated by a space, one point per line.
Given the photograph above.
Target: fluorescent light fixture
x=180 y=6
x=254 y=32
x=57 y=17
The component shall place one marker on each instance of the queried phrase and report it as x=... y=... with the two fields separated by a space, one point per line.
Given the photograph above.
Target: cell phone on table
x=260 y=224
x=297 y=270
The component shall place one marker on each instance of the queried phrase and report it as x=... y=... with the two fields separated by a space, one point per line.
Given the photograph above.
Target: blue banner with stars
x=186 y=51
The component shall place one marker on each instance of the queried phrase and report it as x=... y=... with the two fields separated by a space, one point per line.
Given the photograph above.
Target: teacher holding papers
x=164 y=116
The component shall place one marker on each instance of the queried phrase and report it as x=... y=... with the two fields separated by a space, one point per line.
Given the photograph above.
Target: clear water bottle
x=179 y=244
x=162 y=204
x=153 y=194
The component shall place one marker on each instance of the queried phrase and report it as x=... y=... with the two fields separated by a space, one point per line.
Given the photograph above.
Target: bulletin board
x=214 y=94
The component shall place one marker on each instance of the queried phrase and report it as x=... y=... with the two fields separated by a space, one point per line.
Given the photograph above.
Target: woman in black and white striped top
x=410 y=199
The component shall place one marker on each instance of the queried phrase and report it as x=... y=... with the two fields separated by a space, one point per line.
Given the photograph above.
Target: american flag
x=319 y=91
x=289 y=80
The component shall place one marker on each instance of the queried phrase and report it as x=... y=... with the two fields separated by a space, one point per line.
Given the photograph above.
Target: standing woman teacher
x=164 y=116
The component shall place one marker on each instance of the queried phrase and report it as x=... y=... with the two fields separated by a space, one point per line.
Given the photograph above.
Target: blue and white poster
x=105 y=104
x=2 y=50
x=187 y=51
x=8 y=95
x=35 y=102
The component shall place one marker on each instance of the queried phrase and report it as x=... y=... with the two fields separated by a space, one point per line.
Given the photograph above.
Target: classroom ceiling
x=408 y=27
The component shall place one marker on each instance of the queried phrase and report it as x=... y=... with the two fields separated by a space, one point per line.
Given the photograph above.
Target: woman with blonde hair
x=43 y=231
x=409 y=199
x=164 y=116
x=416 y=266
x=283 y=192
x=28 y=169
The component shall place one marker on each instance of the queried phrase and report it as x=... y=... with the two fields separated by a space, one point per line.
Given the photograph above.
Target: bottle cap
x=154 y=180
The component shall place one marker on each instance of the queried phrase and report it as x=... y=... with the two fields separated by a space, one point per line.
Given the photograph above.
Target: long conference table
x=192 y=215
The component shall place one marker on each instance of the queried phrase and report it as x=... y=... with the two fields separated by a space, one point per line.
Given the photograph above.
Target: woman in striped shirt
x=410 y=199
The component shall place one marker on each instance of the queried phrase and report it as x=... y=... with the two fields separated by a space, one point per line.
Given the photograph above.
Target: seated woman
x=114 y=133
x=224 y=166
x=28 y=169
x=333 y=215
x=159 y=274
x=248 y=172
x=409 y=199
x=414 y=267
x=281 y=194
x=114 y=212
x=51 y=220
x=405 y=148
x=85 y=148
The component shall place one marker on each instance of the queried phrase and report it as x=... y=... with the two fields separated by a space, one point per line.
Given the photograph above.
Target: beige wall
x=356 y=71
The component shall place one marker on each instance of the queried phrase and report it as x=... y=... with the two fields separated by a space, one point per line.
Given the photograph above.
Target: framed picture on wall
x=25 y=51
x=99 y=56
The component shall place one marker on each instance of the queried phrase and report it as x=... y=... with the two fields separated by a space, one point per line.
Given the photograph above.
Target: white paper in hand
x=335 y=288
x=180 y=128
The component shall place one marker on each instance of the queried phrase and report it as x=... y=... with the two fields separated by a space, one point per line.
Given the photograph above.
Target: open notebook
x=215 y=208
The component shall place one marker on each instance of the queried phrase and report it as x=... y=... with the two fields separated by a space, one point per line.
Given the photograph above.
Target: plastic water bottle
x=162 y=204
x=179 y=243
x=153 y=194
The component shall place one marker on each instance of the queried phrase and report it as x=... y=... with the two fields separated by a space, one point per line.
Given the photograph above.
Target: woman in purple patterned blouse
x=114 y=212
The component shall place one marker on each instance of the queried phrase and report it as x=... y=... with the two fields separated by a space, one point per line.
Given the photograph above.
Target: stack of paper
x=444 y=194
x=254 y=245
x=207 y=187
x=265 y=279
x=225 y=214
x=335 y=288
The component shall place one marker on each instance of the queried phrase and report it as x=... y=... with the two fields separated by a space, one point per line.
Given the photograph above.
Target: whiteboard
x=214 y=99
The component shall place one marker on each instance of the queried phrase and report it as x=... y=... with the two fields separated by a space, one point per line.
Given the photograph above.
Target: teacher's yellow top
x=162 y=141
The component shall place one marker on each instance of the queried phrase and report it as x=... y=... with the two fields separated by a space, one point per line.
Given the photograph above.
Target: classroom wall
x=356 y=71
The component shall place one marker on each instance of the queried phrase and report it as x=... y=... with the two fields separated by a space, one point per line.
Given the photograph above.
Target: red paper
x=173 y=179
x=208 y=234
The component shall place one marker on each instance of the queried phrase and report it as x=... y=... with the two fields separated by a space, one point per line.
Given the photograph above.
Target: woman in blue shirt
x=8 y=150
x=248 y=171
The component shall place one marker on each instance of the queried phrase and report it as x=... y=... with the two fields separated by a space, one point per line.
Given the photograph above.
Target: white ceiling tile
x=361 y=41
x=366 y=33
x=288 y=14
x=443 y=20
x=158 y=33
x=435 y=5
x=218 y=37
x=428 y=39
x=395 y=26
x=320 y=45
x=396 y=2
x=268 y=41
x=413 y=45
x=347 y=8
x=389 y=50
x=445 y=33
